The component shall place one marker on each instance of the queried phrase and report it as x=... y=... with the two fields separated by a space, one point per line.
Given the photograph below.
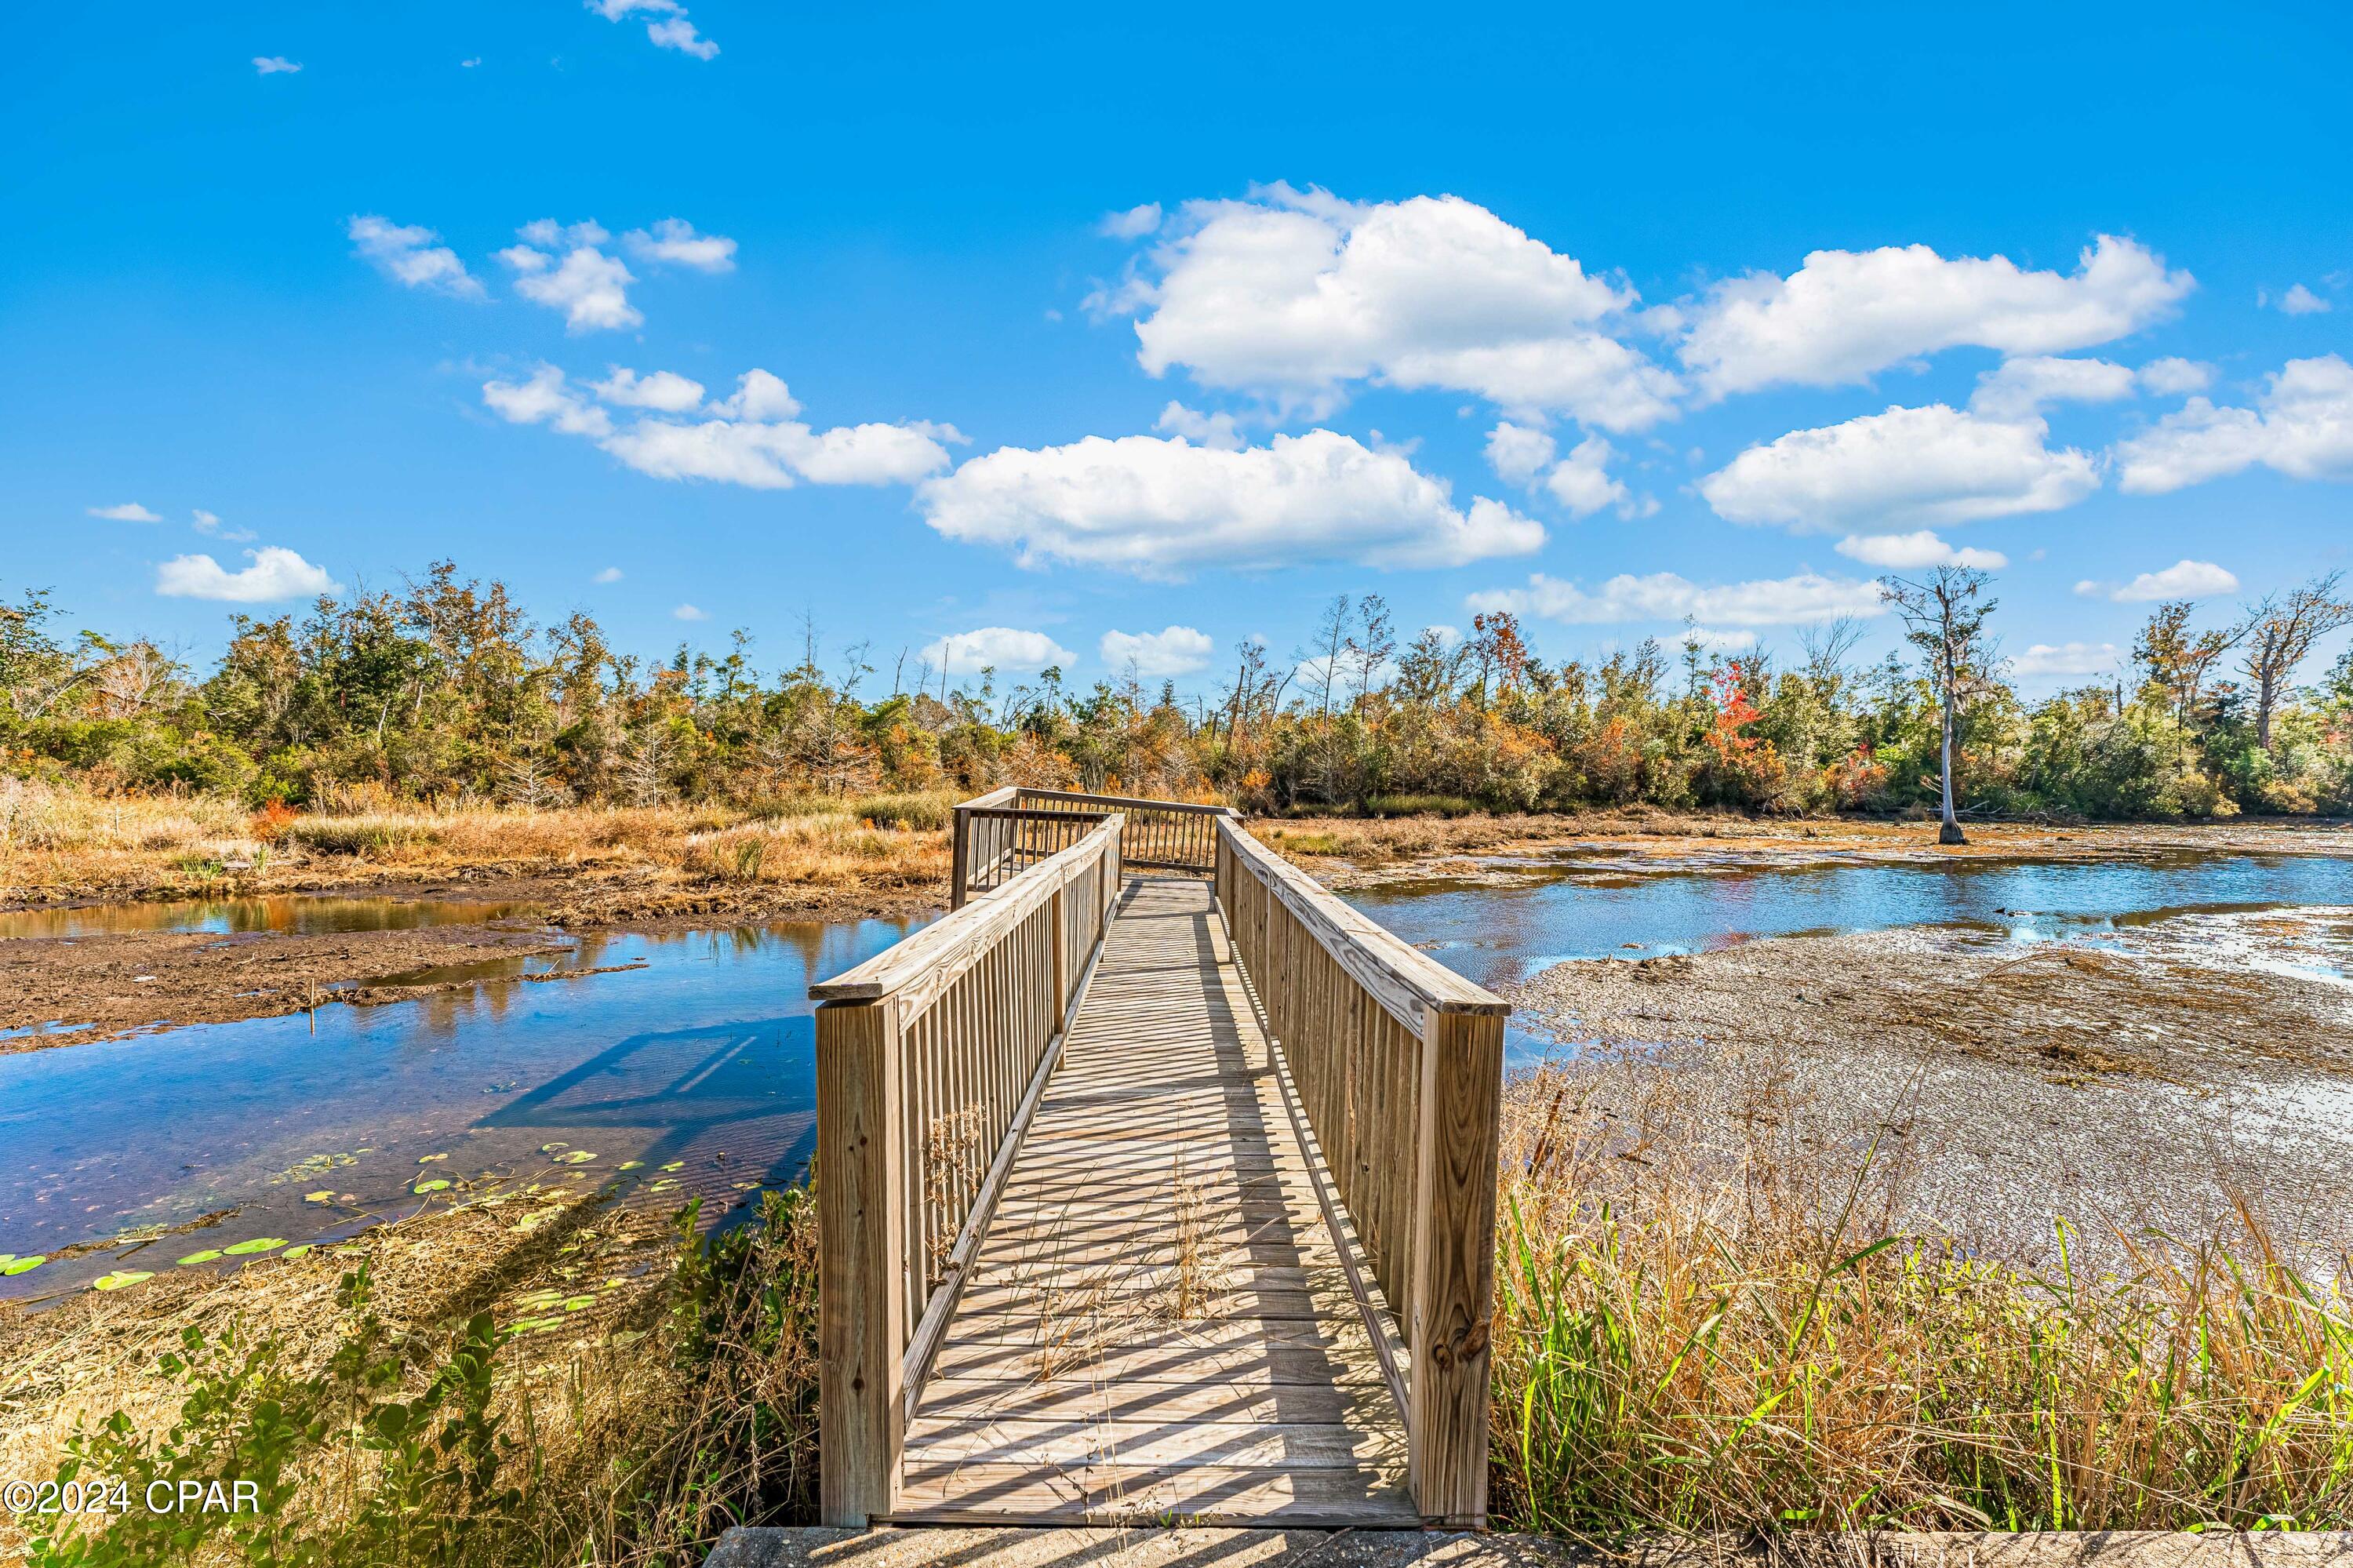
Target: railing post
x=862 y=1250
x=1061 y=947
x=960 y=858
x=1453 y=1263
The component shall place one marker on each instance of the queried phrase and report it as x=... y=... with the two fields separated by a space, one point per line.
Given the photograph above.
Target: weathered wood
x=861 y=1230
x=1454 y=1261
x=1368 y=1495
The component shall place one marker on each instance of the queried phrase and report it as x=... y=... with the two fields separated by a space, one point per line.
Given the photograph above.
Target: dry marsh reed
x=1735 y=1338
x=62 y=841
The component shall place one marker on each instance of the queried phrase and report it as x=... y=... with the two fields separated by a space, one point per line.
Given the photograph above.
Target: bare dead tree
x=1945 y=618
x=2279 y=635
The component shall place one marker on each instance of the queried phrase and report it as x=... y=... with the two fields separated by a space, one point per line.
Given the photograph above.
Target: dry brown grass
x=1717 y=1328
x=57 y=844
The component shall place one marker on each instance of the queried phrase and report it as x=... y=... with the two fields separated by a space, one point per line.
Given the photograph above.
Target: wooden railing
x=930 y=1060
x=1397 y=1065
x=1003 y=832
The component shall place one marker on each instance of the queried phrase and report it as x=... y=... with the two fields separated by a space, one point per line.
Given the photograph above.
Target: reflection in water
x=1499 y=936
x=703 y=1059
x=300 y=913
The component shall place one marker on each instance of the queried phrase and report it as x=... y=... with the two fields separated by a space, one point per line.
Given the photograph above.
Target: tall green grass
x=1671 y=1360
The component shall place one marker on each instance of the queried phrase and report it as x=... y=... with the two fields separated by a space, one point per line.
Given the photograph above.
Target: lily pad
x=674 y=1165
x=551 y=1148
x=324 y=1195
x=23 y=1265
x=209 y=1255
x=302 y=1251
x=255 y=1246
x=577 y=1157
x=436 y=1186
x=6 y=1258
x=664 y=1185
x=630 y=1165
x=578 y=1303
x=121 y=1277
x=430 y=1158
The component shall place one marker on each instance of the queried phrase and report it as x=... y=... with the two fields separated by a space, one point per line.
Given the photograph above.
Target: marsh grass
x=57 y=840
x=682 y=1400
x=1735 y=1338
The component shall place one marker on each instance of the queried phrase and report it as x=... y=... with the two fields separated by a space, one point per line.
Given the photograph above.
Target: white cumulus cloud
x=2018 y=389
x=1298 y=295
x=1797 y=600
x=1581 y=481
x=1928 y=466
x=753 y=440
x=669 y=30
x=2300 y=301
x=674 y=241
x=2067 y=659
x=1000 y=648
x=2300 y=425
x=1911 y=552
x=1220 y=431
x=588 y=286
x=1177 y=650
x=1160 y=508
x=2183 y=579
x=275 y=65
x=1518 y=454
x=1132 y=224
x=665 y=390
x=688 y=612
x=1844 y=314
x=126 y=512
x=407 y=254
x=276 y=573
x=608 y=575
x=2172 y=377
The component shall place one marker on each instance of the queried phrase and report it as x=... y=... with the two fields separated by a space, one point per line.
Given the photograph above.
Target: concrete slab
x=1014 y=1547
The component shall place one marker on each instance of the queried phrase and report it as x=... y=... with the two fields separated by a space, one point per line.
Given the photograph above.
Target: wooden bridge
x=1154 y=1183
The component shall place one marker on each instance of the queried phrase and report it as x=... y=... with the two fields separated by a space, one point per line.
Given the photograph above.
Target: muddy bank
x=2152 y=1077
x=1503 y=850
x=97 y=985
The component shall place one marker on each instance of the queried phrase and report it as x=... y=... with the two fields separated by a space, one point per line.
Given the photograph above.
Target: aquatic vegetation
x=121 y=1277
x=576 y=1156
x=209 y=1255
x=254 y=1246
x=17 y=1265
x=437 y=1184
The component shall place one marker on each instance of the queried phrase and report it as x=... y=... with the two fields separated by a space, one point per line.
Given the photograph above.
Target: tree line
x=445 y=689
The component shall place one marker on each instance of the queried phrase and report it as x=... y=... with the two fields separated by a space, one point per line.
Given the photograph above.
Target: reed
x=1737 y=1341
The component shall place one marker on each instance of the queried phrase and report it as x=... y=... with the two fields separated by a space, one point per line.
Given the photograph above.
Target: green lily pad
x=121 y=1277
x=675 y=1165
x=551 y=1148
x=577 y=1157
x=664 y=1185
x=257 y=1245
x=302 y=1251
x=630 y=1165
x=430 y=1158
x=576 y=1303
x=436 y=1186
x=24 y=1265
x=209 y=1255
x=6 y=1258
x=324 y=1195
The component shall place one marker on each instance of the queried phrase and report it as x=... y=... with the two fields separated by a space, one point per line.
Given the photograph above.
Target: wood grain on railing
x=931 y=1058
x=1397 y=1063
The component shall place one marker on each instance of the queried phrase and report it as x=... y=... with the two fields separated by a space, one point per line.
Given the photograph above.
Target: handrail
x=1392 y=1055
x=997 y=834
x=931 y=1059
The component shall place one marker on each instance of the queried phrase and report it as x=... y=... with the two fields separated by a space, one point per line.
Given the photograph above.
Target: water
x=1589 y=906
x=303 y=913
x=703 y=1058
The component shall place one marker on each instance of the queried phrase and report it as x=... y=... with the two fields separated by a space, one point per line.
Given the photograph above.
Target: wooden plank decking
x=1158 y=1323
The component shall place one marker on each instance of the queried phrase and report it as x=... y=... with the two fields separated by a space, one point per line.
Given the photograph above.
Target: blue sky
x=1606 y=323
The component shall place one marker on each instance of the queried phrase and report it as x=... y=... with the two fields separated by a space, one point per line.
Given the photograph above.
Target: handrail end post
x=861 y=1241
x=1451 y=1297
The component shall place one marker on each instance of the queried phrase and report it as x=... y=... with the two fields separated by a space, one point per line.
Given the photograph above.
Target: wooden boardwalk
x=1157 y=1322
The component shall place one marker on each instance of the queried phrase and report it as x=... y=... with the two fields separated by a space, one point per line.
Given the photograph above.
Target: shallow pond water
x=1595 y=908
x=306 y=915
x=698 y=1066
x=695 y=1067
